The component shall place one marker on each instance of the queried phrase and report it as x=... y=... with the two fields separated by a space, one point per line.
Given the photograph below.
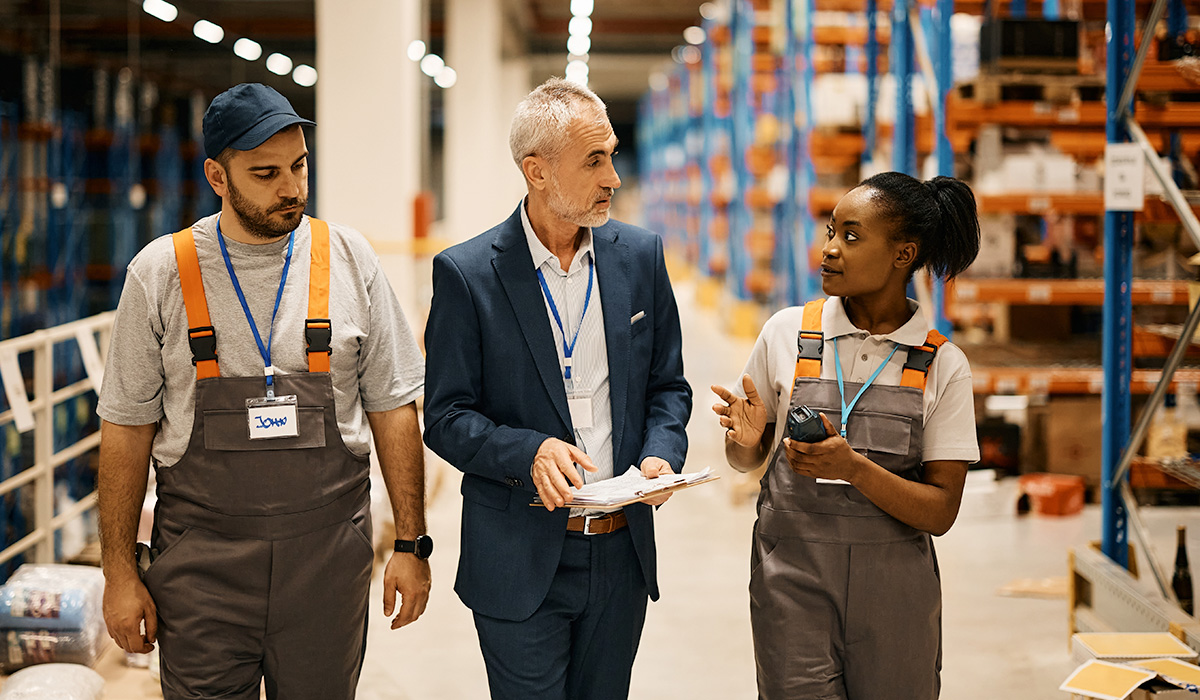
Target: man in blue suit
x=554 y=359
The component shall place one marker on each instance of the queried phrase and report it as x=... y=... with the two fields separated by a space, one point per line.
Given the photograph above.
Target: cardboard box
x=997 y=247
x=1054 y=494
x=1071 y=433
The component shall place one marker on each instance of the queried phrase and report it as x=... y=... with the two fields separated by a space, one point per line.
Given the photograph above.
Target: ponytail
x=939 y=215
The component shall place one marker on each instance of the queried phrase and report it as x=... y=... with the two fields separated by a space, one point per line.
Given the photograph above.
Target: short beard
x=566 y=210
x=257 y=222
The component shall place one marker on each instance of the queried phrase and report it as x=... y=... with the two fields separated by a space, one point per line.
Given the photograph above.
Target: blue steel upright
x=904 y=147
x=1118 y=303
x=871 y=51
x=941 y=43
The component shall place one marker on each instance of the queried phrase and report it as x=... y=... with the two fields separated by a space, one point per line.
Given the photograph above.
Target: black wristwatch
x=422 y=546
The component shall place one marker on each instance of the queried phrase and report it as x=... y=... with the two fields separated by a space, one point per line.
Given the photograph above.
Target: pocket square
x=637 y=317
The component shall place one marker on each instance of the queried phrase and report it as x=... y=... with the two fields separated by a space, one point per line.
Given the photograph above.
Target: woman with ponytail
x=866 y=415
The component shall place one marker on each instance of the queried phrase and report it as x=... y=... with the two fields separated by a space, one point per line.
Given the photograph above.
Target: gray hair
x=539 y=126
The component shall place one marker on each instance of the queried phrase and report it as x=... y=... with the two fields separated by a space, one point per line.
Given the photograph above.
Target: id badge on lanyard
x=579 y=399
x=270 y=416
x=580 y=406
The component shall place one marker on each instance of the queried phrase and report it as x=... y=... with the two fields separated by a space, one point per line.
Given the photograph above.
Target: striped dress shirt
x=589 y=367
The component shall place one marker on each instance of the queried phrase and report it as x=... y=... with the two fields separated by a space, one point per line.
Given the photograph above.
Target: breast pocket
x=884 y=439
x=639 y=326
x=227 y=430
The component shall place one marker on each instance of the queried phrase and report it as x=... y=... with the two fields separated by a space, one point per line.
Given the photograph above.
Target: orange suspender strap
x=318 y=331
x=810 y=342
x=916 y=368
x=201 y=336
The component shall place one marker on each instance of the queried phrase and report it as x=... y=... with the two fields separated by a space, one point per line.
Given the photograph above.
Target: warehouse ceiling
x=630 y=38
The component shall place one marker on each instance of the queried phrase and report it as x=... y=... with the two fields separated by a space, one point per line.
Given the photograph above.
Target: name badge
x=581 y=411
x=272 y=417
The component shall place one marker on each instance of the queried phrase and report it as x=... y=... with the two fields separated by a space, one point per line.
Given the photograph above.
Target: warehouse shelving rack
x=1119 y=441
x=1104 y=594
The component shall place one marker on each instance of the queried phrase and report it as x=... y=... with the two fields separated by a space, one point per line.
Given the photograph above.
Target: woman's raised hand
x=745 y=419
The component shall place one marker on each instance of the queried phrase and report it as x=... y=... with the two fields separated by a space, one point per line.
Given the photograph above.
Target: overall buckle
x=809 y=345
x=203 y=341
x=318 y=334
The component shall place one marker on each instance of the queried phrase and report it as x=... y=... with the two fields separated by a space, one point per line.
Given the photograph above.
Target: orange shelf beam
x=1084 y=380
x=1063 y=292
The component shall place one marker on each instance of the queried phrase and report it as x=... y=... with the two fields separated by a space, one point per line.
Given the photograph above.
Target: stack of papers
x=632 y=487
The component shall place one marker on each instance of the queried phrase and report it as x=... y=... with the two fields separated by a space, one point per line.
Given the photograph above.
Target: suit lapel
x=514 y=266
x=612 y=270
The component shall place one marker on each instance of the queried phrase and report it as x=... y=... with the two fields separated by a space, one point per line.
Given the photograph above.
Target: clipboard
x=641 y=495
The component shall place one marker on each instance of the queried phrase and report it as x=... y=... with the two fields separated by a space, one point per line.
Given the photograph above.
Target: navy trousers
x=580 y=643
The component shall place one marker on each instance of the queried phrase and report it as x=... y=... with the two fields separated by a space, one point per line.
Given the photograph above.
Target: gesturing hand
x=553 y=466
x=745 y=419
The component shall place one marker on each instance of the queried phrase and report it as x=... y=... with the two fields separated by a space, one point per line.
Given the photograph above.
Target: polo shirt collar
x=836 y=324
x=540 y=253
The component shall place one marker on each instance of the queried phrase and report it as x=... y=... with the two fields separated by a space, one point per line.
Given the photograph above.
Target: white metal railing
x=37 y=414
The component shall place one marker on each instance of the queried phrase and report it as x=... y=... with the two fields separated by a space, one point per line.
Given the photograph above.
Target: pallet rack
x=68 y=229
x=742 y=197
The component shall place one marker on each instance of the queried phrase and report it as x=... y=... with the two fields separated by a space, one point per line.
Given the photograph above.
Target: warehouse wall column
x=369 y=127
x=482 y=184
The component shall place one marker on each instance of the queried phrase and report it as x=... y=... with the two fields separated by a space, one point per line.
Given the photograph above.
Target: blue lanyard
x=842 y=387
x=568 y=349
x=265 y=351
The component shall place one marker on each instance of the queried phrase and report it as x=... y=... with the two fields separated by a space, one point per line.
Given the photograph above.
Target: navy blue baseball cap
x=246 y=115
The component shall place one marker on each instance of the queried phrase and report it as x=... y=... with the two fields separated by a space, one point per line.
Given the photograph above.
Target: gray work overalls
x=845 y=600
x=264 y=546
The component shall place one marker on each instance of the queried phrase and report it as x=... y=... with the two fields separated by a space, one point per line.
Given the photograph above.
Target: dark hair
x=939 y=215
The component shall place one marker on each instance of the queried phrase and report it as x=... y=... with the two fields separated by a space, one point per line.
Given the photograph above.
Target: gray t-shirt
x=376 y=365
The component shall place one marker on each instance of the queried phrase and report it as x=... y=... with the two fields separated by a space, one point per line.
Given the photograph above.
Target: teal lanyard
x=842 y=386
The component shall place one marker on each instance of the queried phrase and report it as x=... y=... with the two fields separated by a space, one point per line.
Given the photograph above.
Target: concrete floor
x=697 y=637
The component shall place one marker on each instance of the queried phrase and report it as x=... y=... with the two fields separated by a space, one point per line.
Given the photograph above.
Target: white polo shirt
x=949 y=404
x=589 y=360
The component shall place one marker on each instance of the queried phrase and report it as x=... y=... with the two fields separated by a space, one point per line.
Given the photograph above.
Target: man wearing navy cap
x=254 y=356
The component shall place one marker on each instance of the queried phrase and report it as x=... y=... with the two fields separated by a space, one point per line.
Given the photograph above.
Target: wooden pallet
x=989 y=88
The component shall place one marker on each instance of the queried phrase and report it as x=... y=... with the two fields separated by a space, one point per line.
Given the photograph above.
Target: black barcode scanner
x=805 y=426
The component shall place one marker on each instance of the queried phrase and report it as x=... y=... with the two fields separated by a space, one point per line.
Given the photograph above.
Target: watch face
x=424 y=546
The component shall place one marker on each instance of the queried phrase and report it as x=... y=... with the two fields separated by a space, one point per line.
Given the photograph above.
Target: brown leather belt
x=597 y=524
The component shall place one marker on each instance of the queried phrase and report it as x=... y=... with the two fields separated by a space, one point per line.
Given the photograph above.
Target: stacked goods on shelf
x=779 y=139
x=92 y=166
x=52 y=613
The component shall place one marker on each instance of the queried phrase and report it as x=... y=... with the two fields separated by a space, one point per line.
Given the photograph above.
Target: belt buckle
x=587 y=523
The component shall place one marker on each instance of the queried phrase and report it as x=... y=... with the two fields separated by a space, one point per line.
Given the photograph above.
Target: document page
x=631 y=486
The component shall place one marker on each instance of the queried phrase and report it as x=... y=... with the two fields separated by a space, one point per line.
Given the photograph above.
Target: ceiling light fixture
x=161 y=9
x=431 y=64
x=305 y=75
x=416 y=50
x=212 y=33
x=579 y=26
x=279 y=64
x=579 y=45
x=248 y=49
x=446 y=77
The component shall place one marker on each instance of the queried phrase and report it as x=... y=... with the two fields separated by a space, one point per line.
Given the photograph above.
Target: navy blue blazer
x=494 y=392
